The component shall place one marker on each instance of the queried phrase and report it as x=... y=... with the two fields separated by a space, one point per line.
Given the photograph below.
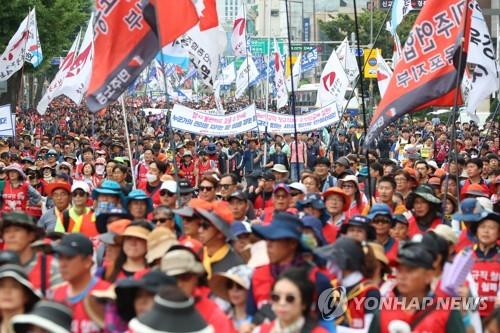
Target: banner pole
x=294 y=112
x=129 y=149
x=267 y=84
x=361 y=73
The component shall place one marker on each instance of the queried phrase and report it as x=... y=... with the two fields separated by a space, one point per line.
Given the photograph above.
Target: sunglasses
x=205 y=225
x=348 y=186
x=205 y=188
x=161 y=220
x=184 y=277
x=289 y=299
x=381 y=221
x=231 y=284
x=165 y=192
x=294 y=194
x=78 y=193
x=226 y=186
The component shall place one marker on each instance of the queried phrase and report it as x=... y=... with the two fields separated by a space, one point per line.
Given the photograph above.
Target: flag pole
x=293 y=91
x=20 y=95
x=360 y=68
x=462 y=62
x=351 y=95
x=129 y=149
x=267 y=85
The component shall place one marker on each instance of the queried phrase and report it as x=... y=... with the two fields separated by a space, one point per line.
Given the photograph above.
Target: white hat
x=280 y=168
x=78 y=184
x=299 y=187
x=447 y=233
x=432 y=164
x=169 y=185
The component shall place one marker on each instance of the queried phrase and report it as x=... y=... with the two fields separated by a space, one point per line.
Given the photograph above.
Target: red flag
x=427 y=72
x=174 y=18
x=124 y=45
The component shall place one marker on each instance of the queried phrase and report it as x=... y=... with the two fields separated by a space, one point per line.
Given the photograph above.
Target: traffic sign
x=370 y=70
x=358 y=52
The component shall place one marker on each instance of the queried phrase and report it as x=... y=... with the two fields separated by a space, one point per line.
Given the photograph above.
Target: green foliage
x=58 y=23
x=342 y=26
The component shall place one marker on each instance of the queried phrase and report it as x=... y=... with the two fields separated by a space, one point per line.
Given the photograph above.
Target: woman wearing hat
x=425 y=208
x=487 y=259
x=17 y=192
x=138 y=204
x=185 y=266
x=46 y=316
x=292 y=301
x=17 y=295
x=451 y=206
x=233 y=287
x=337 y=203
x=354 y=264
x=349 y=184
x=131 y=262
x=358 y=228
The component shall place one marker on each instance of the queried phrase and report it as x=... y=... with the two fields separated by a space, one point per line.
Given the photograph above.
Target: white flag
x=12 y=58
x=400 y=8
x=54 y=88
x=247 y=73
x=384 y=74
x=482 y=55
x=297 y=71
x=77 y=78
x=348 y=60
x=228 y=74
x=218 y=102
x=238 y=38
x=33 y=47
x=279 y=78
x=333 y=83
x=205 y=42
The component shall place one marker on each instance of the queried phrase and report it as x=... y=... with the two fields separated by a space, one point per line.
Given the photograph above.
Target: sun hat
x=425 y=192
x=362 y=222
x=316 y=226
x=78 y=184
x=346 y=253
x=126 y=291
x=239 y=228
x=18 y=218
x=378 y=251
x=485 y=215
x=452 y=198
x=101 y=220
x=19 y=274
x=51 y=316
x=312 y=199
x=172 y=312
x=283 y=226
x=475 y=190
x=298 y=186
x=159 y=241
x=15 y=167
x=338 y=191
x=349 y=178
x=181 y=260
x=109 y=187
x=470 y=211
x=219 y=215
x=279 y=168
x=446 y=232
x=140 y=195
x=240 y=274
x=134 y=230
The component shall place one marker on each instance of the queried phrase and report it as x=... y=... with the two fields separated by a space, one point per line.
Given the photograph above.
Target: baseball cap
x=281 y=186
x=80 y=185
x=298 y=186
x=169 y=185
x=415 y=255
x=240 y=195
x=344 y=161
x=74 y=244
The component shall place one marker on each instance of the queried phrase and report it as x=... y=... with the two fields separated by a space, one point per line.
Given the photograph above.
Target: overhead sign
x=370 y=61
x=416 y=4
x=260 y=46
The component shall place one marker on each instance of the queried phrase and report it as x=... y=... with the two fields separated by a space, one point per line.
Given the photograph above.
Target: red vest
x=35 y=276
x=413 y=228
x=142 y=170
x=486 y=274
x=330 y=232
x=188 y=173
x=262 y=283
x=82 y=323
x=204 y=167
x=433 y=322
x=15 y=198
x=267 y=328
x=355 y=306
x=392 y=253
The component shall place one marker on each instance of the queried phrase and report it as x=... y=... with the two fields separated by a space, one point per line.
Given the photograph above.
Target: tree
x=342 y=26
x=58 y=23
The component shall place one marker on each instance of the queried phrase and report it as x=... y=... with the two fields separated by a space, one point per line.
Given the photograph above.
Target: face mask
x=310 y=241
x=151 y=178
x=104 y=207
x=99 y=169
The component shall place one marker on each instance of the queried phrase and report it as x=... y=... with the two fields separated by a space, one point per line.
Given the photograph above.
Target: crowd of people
x=259 y=232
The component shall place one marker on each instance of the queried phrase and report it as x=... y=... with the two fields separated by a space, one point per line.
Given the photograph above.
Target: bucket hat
x=51 y=316
x=172 y=312
x=346 y=253
x=159 y=241
x=101 y=220
x=338 y=191
x=19 y=274
x=140 y=195
x=180 y=260
x=425 y=192
x=470 y=211
x=240 y=275
x=362 y=222
x=219 y=216
x=15 y=167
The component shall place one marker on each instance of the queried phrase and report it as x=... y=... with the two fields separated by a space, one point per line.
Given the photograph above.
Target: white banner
x=12 y=58
x=194 y=121
x=238 y=38
x=33 y=48
x=333 y=83
x=384 y=74
x=246 y=74
x=228 y=74
x=6 y=121
x=200 y=122
x=348 y=60
x=279 y=78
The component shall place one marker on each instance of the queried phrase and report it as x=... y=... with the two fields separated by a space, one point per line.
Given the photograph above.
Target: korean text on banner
x=194 y=121
x=6 y=127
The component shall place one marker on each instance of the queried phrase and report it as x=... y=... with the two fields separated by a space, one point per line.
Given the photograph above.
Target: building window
x=275 y=12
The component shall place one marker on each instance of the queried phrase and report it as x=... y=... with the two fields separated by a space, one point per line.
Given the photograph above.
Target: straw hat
x=159 y=241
